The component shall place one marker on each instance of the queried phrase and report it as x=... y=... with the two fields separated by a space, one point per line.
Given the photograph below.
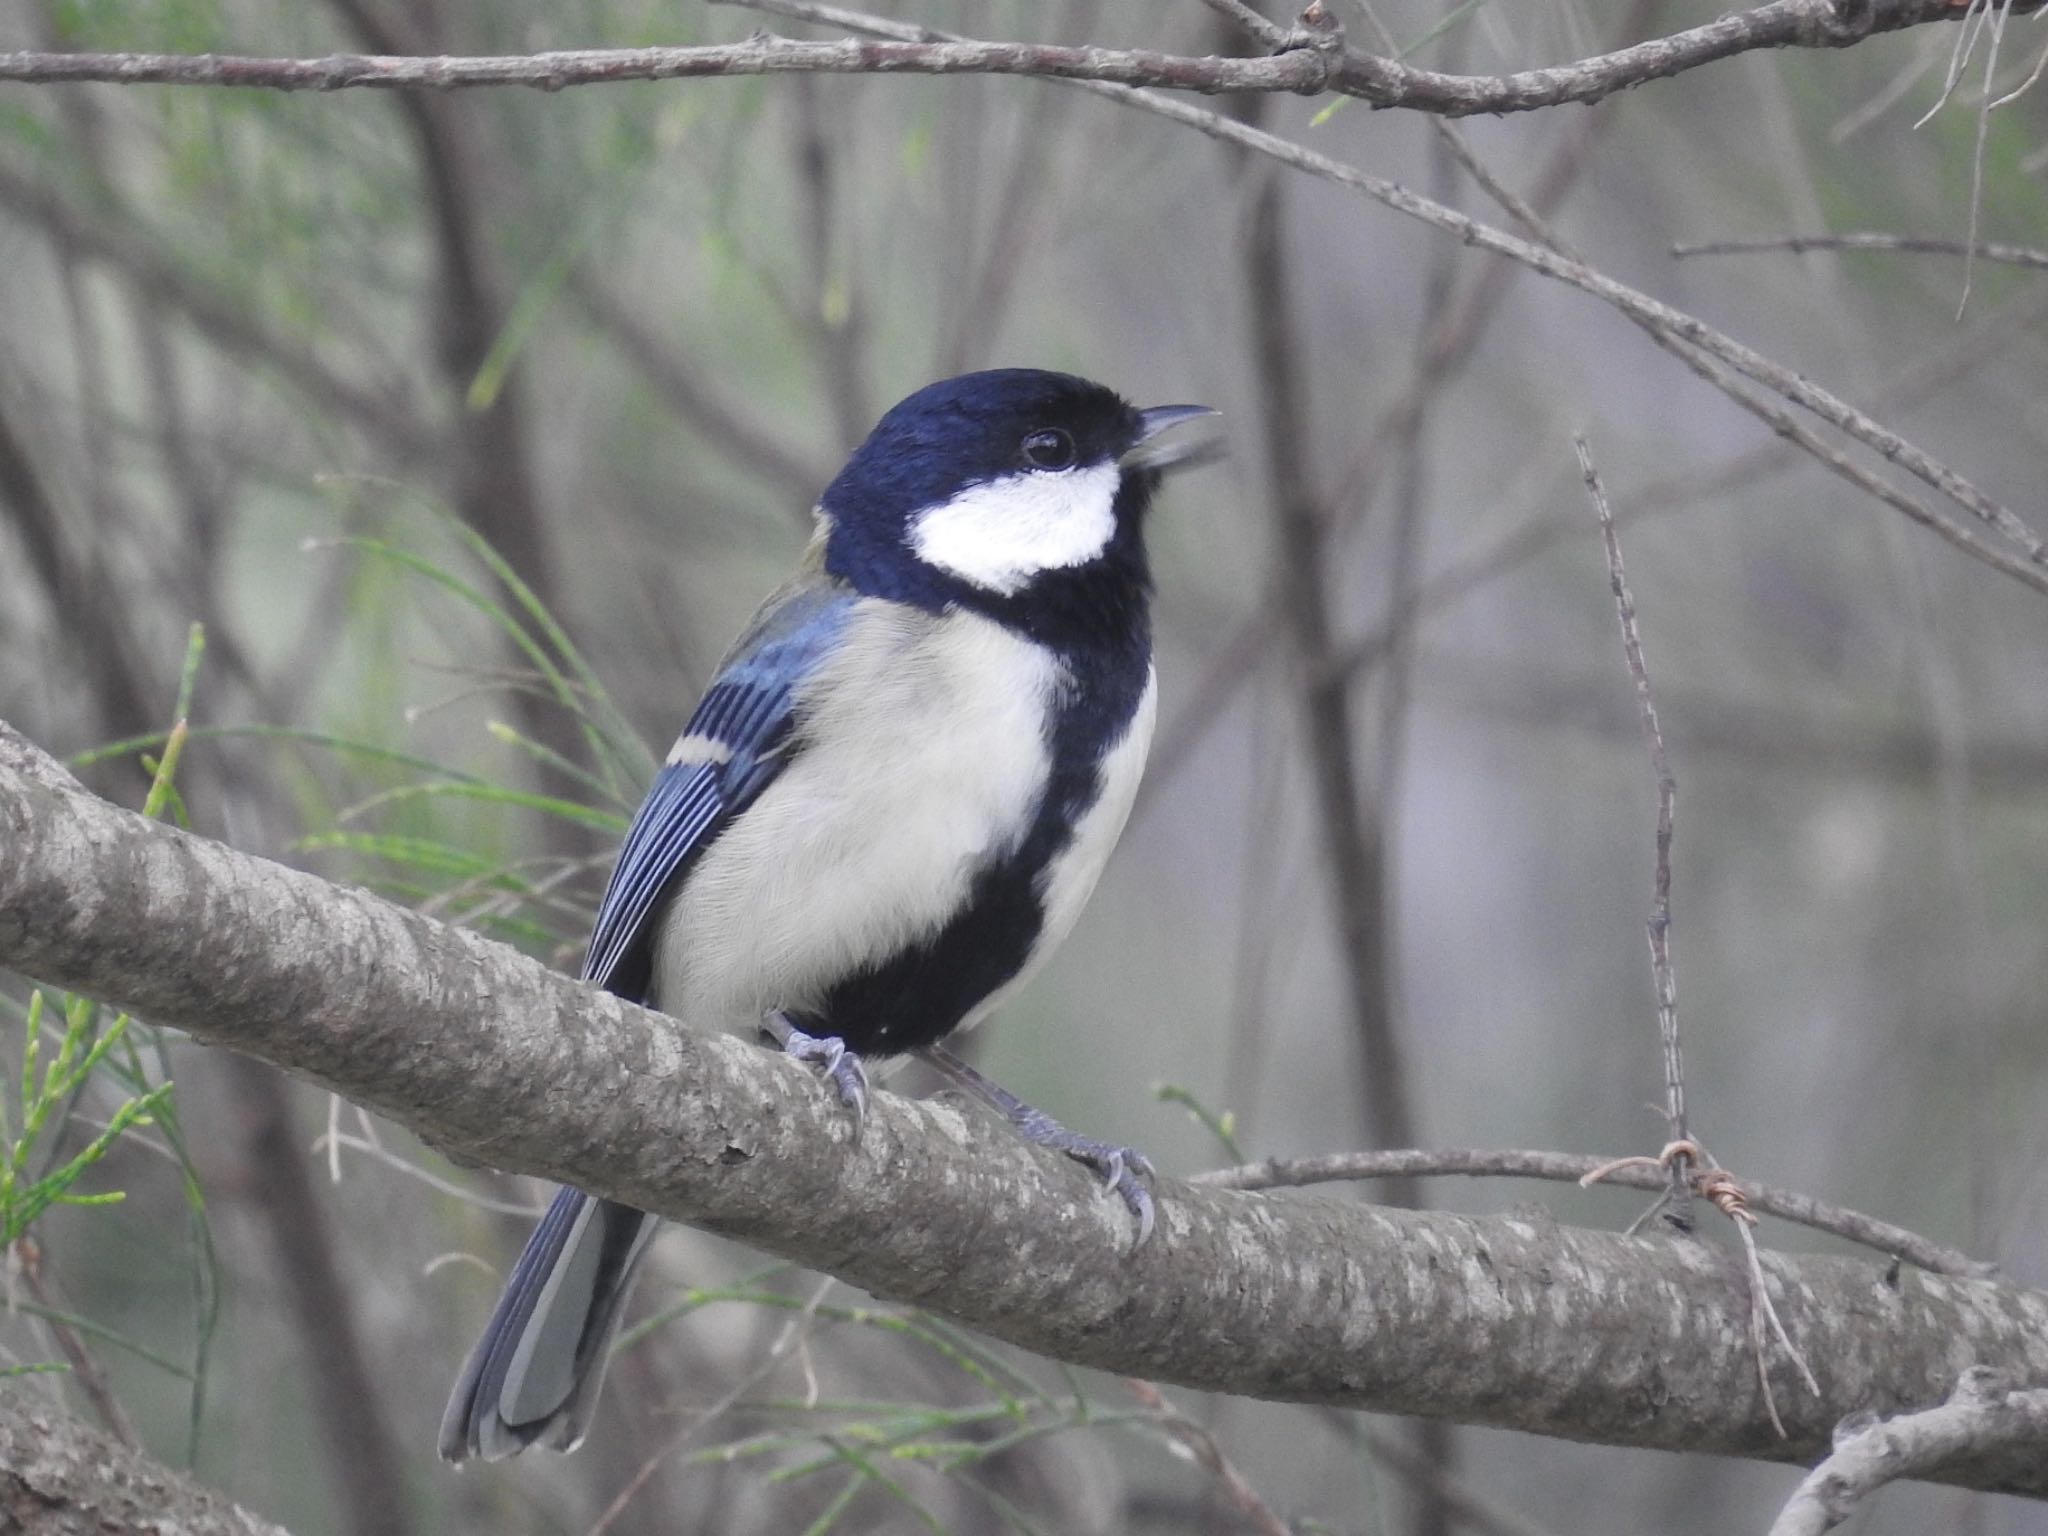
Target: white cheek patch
x=1000 y=534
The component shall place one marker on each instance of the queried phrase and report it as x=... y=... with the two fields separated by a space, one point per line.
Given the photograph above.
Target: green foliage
x=1222 y=1124
x=81 y=1047
x=873 y=1441
x=38 y=1174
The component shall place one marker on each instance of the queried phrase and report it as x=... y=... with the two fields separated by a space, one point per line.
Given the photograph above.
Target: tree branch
x=1313 y=63
x=1985 y=1420
x=1867 y=240
x=58 y=1477
x=1572 y=1168
x=490 y=1055
x=765 y=53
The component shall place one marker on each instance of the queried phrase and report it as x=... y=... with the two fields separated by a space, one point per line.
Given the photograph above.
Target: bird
x=885 y=812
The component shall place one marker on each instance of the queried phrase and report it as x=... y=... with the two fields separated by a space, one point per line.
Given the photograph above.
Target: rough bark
x=1514 y=1322
x=59 y=1478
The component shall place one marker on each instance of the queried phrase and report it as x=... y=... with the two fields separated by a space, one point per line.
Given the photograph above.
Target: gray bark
x=1513 y=1322
x=59 y=1478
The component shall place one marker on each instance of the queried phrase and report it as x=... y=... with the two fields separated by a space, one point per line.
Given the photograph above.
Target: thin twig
x=1871 y=240
x=1201 y=1445
x=765 y=53
x=1570 y=1168
x=331 y=1142
x=86 y=1369
x=1269 y=35
x=1667 y=801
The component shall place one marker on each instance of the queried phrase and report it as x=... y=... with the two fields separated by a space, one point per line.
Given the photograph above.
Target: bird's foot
x=844 y=1067
x=1121 y=1168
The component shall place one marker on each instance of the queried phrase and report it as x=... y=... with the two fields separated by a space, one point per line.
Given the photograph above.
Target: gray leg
x=844 y=1067
x=1119 y=1166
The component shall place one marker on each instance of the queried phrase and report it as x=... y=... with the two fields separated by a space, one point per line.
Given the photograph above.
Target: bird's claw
x=1122 y=1172
x=849 y=1074
x=1122 y=1169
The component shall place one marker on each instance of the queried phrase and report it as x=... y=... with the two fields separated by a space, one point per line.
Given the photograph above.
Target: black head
x=1007 y=491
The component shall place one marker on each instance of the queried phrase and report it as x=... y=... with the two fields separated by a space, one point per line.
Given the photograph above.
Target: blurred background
x=367 y=383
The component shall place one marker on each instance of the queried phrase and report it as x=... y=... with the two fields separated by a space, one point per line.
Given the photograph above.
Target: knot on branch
x=1319 y=35
x=1838 y=23
x=1706 y=1178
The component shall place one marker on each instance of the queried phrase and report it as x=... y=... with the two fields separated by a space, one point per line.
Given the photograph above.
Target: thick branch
x=1311 y=66
x=1511 y=1322
x=58 y=1477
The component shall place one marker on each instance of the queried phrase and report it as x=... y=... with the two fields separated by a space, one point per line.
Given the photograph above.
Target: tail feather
x=534 y=1375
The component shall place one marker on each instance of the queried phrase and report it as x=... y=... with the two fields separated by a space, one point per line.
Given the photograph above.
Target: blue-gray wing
x=736 y=742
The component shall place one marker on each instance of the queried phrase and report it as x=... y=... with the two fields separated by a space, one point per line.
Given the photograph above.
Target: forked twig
x=1983 y=1417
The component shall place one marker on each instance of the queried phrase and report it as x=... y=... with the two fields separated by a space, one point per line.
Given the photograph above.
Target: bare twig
x=86 y=1370
x=1452 y=340
x=1667 y=800
x=1982 y=1417
x=1662 y=319
x=762 y=54
x=1269 y=35
x=1869 y=240
x=1201 y=1445
x=1529 y=539
x=1571 y=1168
x=1309 y=65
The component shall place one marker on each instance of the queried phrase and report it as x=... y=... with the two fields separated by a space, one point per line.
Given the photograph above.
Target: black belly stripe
x=917 y=996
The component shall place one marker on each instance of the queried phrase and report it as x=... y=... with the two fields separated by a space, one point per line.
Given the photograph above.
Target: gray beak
x=1160 y=419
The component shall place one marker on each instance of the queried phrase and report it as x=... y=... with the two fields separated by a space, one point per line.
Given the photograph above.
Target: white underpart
x=1003 y=532
x=925 y=756
x=1070 y=880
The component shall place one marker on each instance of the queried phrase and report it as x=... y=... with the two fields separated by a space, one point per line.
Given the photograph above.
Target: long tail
x=535 y=1373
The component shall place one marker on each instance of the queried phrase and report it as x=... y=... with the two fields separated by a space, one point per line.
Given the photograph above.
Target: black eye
x=1049 y=448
